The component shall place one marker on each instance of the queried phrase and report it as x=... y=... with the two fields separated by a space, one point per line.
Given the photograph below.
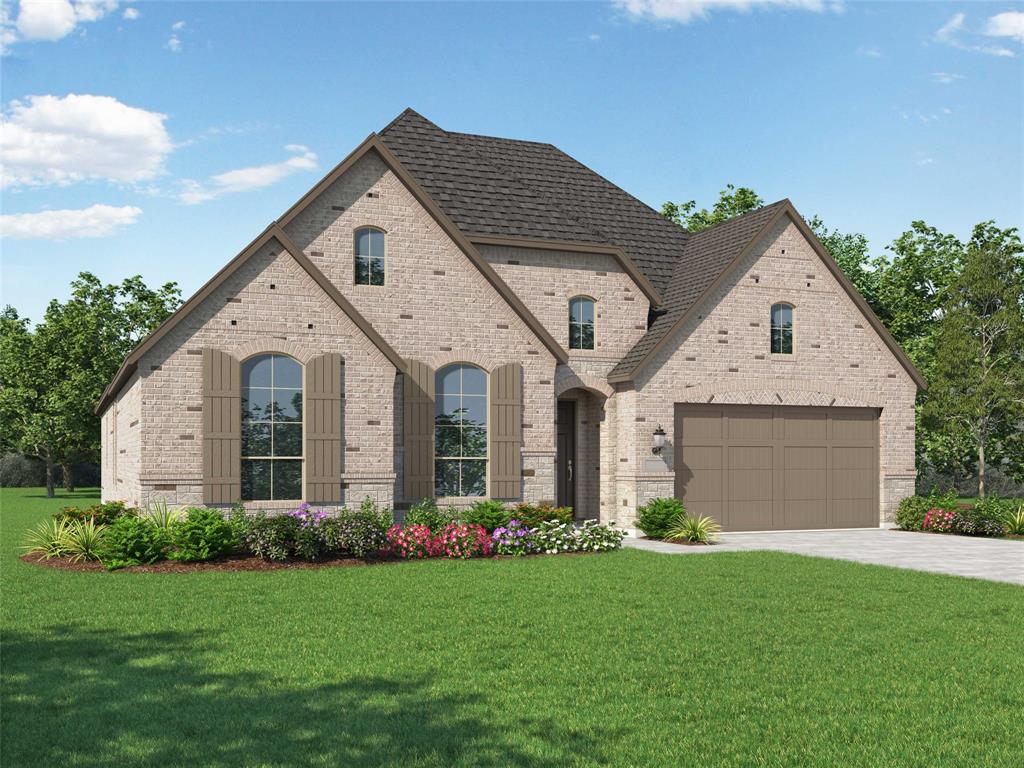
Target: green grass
x=629 y=658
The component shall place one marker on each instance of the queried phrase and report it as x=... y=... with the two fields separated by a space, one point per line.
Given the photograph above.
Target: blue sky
x=160 y=138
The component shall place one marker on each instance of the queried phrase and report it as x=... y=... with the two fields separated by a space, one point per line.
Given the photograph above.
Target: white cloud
x=174 y=44
x=685 y=11
x=54 y=140
x=594 y=37
x=924 y=160
x=952 y=33
x=94 y=221
x=131 y=14
x=49 y=19
x=946 y=78
x=248 y=179
x=1007 y=24
x=869 y=51
x=178 y=26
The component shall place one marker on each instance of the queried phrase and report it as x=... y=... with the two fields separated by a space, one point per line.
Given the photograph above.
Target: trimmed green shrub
x=657 y=516
x=429 y=514
x=132 y=540
x=699 y=530
x=489 y=514
x=911 y=511
x=986 y=518
x=271 y=537
x=535 y=514
x=360 y=533
x=202 y=535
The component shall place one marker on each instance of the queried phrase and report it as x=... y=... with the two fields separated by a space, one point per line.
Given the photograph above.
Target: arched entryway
x=578 y=451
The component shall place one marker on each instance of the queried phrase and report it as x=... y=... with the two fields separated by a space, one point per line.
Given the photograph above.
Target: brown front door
x=754 y=467
x=565 y=469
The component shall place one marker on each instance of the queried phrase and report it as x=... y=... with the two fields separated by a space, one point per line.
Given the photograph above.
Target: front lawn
x=626 y=658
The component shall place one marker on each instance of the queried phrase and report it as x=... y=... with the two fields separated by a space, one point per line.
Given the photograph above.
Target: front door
x=565 y=469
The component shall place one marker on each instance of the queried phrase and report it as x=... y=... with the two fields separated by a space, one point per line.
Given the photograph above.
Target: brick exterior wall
x=121 y=445
x=837 y=359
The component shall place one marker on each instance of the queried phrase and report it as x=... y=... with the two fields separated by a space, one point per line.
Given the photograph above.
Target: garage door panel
x=778 y=467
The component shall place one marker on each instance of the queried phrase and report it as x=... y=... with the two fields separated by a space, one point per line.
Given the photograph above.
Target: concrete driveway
x=992 y=559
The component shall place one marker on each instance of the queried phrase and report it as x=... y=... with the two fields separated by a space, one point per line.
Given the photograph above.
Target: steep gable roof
x=709 y=258
x=493 y=187
x=273 y=232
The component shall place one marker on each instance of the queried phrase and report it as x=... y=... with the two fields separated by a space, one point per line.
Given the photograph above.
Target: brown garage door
x=758 y=468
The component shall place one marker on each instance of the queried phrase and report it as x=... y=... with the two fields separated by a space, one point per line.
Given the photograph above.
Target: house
x=458 y=316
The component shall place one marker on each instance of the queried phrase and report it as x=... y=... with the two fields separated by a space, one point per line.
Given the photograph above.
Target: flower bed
x=942 y=513
x=199 y=538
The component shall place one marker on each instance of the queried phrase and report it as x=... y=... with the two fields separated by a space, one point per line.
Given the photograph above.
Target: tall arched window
x=369 y=256
x=782 y=329
x=271 y=428
x=581 y=323
x=460 y=431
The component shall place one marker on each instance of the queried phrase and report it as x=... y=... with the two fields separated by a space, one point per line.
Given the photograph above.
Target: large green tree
x=732 y=201
x=52 y=376
x=974 y=410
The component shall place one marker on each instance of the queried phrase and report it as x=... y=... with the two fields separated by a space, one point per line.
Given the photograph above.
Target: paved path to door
x=992 y=559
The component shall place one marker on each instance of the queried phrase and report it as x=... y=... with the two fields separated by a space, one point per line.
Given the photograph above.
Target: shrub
x=85 y=540
x=18 y=471
x=132 y=540
x=911 y=511
x=410 y=543
x=532 y=515
x=554 y=537
x=360 y=533
x=427 y=513
x=1013 y=523
x=203 y=534
x=699 y=530
x=269 y=536
x=462 y=540
x=657 y=516
x=986 y=518
x=939 y=521
x=488 y=514
x=102 y=514
x=49 y=539
x=515 y=539
x=308 y=540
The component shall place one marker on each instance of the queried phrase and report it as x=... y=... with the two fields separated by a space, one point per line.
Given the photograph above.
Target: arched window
x=460 y=431
x=782 y=329
x=581 y=323
x=369 y=256
x=271 y=428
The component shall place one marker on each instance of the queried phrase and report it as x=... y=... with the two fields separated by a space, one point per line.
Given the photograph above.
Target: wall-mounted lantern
x=659 y=440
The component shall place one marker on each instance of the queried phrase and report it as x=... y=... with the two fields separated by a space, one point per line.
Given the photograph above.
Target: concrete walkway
x=992 y=559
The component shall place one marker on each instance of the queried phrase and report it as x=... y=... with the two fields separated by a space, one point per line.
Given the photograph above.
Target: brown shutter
x=222 y=428
x=418 y=416
x=506 y=431
x=323 y=428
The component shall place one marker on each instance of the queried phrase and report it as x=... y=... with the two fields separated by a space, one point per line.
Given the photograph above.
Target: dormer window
x=782 y=329
x=369 y=256
x=581 y=323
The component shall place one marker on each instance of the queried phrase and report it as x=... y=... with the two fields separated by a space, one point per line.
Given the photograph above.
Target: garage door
x=759 y=468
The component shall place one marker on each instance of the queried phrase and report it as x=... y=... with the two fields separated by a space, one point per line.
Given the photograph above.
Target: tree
x=53 y=376
x=732 y=201
x=975 y=408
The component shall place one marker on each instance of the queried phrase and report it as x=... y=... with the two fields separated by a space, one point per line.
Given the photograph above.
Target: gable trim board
x=614 y=251
x=786 y=209
x=273 y=232
x=374 y=143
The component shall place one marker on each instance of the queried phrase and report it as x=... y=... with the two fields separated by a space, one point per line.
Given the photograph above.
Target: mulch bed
x=229 y=563
x=681 y=543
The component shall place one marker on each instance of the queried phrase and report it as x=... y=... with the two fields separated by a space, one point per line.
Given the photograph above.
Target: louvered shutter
x=322 y=416
x=506 y=431
x=222 y=428
x=418 y=417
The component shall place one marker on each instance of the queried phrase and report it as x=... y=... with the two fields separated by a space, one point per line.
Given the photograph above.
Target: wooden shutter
x=506 y=431
x=418 y=417
x=222 y=428
x=323 y=428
